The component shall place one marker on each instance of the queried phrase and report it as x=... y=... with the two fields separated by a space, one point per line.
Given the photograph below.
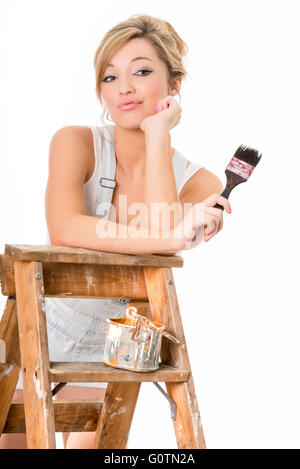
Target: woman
x=138 y=61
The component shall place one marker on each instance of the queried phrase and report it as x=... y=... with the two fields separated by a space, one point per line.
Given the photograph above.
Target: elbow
x=56 y=239
x=56 y=242
x=65 y=235
x=59 y=234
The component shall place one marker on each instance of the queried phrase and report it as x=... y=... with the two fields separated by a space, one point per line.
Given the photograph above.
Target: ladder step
x=67 y=372
x=70 y=416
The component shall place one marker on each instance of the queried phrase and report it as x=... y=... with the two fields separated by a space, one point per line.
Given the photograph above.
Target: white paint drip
x=90 y=282
x=118 y=412
x=179 y=427
x=37 y=386
x=195 y=415
x=40 y=298
x=196 y=423
x=7 y=371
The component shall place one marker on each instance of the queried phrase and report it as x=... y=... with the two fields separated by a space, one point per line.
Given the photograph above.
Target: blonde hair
x=169 y=46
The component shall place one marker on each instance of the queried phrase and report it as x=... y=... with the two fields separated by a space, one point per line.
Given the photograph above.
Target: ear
x=175 y=87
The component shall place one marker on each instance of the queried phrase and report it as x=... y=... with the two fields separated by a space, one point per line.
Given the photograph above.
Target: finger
x=217 y=216
x=190 y=227
x=212 y=227
x=168 y=101
x=207 y=238
x=215 y=212
x=161 y=107
x=193 y=243
x=216 y=198
x=195 y=237
x=223 y=201
x=172 y=103
x=211 y=235
x=162 y=103
x=199 y=214
x=212 y=231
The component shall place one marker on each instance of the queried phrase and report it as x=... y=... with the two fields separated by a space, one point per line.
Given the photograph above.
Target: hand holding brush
x=203 y=221
x=239 y=169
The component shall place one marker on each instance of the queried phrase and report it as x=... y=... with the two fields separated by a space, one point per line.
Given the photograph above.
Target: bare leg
x=80 y=440
x=14 y=440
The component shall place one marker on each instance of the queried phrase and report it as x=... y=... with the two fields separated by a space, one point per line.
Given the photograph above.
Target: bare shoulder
x=78 y=132
x=205 y=177
x=201 y=185
x=72 y=144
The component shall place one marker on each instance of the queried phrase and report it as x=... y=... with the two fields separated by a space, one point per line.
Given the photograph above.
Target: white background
x=238 y=293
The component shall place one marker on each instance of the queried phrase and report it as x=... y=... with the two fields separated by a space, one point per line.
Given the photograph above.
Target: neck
x=130 y=149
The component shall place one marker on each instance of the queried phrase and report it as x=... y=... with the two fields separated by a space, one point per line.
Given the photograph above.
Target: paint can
x=133 y=342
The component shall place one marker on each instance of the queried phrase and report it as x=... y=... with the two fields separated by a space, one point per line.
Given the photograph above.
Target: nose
x=125 y=86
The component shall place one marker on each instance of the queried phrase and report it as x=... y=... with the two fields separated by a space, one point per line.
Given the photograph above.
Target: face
x=144 y=80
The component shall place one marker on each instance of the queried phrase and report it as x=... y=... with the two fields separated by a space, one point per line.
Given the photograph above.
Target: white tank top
x=98 y=192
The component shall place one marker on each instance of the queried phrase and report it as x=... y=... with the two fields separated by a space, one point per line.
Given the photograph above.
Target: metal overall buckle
x=109 y=186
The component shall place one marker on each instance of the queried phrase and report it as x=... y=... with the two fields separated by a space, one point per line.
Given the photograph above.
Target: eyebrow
x=133 y=60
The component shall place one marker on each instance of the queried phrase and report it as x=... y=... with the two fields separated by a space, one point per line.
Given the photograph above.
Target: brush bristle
x=247 y=154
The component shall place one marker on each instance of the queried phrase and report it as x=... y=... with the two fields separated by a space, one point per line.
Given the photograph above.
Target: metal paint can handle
x=131 y=312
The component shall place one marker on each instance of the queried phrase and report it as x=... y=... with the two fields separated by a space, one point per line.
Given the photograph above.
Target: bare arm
x=84 y=231
x=201 y=185
x=65 y=212
x=160 y=184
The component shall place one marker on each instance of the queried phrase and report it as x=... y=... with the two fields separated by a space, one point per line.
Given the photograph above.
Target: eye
x=112 y=76
x=145 y=70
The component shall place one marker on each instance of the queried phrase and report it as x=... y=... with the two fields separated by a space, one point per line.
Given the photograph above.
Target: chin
x=129 y=125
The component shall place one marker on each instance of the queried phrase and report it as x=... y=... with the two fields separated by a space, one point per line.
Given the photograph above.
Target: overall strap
x=106 y=183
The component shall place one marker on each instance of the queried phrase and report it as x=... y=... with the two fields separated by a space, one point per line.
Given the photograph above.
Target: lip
x=130 y=105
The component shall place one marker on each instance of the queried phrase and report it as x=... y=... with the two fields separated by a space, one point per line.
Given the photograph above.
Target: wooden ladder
x=29 y=273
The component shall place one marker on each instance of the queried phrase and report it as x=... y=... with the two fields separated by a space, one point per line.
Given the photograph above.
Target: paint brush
x=239 y=169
